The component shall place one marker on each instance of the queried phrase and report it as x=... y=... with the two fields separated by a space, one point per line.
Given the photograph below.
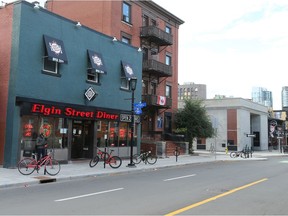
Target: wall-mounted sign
x=90 y=94
x=49 y=110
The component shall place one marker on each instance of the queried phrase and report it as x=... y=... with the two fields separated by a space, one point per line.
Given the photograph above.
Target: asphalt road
x=218 y=188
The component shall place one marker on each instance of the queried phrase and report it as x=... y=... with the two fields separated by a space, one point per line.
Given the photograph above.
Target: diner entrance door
x=82 y=139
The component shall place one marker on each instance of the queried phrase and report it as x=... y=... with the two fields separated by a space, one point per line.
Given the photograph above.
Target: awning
x=55 y=49
x=96 y=61
x=128 y=70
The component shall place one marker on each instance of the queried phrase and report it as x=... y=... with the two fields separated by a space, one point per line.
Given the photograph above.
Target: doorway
x=82 y=139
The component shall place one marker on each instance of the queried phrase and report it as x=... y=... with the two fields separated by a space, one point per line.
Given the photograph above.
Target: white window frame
x=53 y=63
x=95 y=76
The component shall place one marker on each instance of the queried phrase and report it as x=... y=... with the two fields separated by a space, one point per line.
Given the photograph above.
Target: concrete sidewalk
x=81 y=169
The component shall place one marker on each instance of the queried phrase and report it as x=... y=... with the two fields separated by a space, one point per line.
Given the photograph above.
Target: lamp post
x=133 y=82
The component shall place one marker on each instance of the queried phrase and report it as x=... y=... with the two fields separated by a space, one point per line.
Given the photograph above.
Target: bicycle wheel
x=27 y=166
x=115 y=162
x=136 y=158
x=243 y=155
x=233 y=154
x=151 y=159
x=94 y=161
x=52 y=167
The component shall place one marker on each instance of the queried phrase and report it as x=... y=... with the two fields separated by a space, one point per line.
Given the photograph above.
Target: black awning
x=96 y=61
x=128 y=70
x=55 y=49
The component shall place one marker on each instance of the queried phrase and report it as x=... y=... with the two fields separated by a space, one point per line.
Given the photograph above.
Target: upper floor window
x=145 y=21
x=168 y=60
x=92 y=76
x=96 y=66
x=54 y=55
x=153 y=86
x=50 y=66
x=126 y=12
x=168 y=29
x=153 y=22
x=168 y=91
x=125 y=83
x=126 y=40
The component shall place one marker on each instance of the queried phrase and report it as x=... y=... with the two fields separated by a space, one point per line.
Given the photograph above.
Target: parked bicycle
x=114 y=161
x=146 y=157
x=212 y=148
x=28 y=165
x=235 y=154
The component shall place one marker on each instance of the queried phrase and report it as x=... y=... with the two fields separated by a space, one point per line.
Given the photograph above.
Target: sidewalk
x=81 y=169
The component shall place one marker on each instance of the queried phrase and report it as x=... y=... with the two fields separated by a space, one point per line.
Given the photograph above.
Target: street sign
x=140 y=105
x=251 y=135
x=138 y=111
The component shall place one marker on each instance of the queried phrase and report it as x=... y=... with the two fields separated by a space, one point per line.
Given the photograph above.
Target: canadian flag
x=161 y=100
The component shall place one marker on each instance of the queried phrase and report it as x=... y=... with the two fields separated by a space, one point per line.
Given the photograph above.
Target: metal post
x=131 y=164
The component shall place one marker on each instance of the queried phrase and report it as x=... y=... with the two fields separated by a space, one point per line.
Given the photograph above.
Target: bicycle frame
x=37 y=164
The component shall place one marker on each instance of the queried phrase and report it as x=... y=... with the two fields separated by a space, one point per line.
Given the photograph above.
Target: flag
x=161 y=100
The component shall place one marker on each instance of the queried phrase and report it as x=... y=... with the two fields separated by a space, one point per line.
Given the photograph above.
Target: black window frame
x=126 y=15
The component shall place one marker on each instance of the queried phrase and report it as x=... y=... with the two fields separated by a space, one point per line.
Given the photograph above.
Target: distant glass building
x=262 y=96
x=284 y=96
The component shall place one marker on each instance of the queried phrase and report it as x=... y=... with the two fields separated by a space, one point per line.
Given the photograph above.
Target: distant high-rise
x=262 y=96
x=191 y=90
x=284 y=96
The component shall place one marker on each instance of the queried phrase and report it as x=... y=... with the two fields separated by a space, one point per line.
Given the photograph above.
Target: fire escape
x=154 y=72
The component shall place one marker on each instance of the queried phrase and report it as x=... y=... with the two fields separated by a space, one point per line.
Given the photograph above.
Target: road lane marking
x=214 y=198
x=180 y=177
x=86 y=195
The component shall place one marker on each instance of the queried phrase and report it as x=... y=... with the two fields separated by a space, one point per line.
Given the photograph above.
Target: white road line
x=86 y=195
x=180 y=177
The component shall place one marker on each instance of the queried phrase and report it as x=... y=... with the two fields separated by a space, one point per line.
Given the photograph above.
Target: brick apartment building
x=154 y=30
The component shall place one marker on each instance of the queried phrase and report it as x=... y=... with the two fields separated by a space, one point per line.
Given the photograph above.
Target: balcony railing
x=157 y=101
x=156 y=35
x=157 y=68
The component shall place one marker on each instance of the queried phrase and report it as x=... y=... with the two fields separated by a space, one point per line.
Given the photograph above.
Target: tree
x=193 y=121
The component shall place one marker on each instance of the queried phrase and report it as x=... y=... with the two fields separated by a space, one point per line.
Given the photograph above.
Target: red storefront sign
x=48 y=110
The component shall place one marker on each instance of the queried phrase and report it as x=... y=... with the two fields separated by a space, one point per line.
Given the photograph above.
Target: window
x=145 y=86
x=127 y=74
x=126 y=11
x=153 y=86
x=96 y=66
x=168 y=92
x=168 y=60
x=124 y=83
x=32 y=126
x=168 y=29
x=126 y=40
x=153 y=22
x=145 y=21
x=92 y=76
x=50 y=66
x=54 y=55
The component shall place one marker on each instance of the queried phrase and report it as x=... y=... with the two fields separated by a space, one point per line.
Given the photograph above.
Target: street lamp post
x=133 y=82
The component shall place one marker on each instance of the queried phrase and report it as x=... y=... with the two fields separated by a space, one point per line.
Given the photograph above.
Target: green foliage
x=193 y=121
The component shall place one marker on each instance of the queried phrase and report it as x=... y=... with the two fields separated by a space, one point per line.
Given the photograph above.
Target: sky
x=232 y=46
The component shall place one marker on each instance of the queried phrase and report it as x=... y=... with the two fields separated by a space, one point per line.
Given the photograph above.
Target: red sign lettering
x=71 y=112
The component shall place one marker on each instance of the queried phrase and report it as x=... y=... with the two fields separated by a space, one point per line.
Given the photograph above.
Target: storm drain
x=44 y=179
